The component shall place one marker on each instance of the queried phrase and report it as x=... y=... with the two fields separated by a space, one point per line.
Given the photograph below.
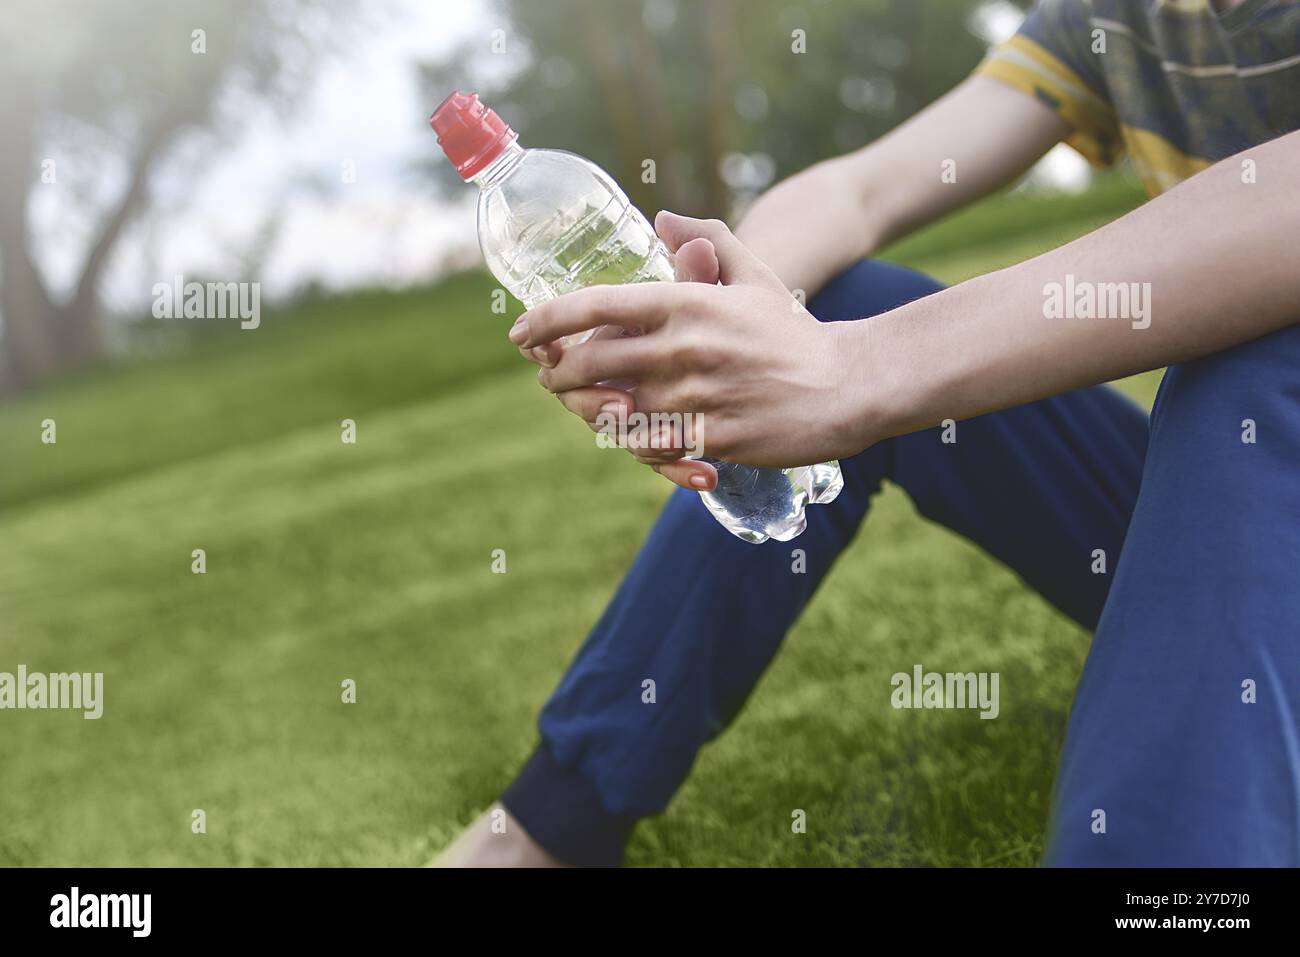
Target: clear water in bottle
x=550 y=222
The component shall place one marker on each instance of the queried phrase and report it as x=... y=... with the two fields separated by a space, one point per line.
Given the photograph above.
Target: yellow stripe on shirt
x=1159 y=163
x=1028 y=67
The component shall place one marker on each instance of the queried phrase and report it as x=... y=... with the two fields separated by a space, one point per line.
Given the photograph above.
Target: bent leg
x=1183 y=747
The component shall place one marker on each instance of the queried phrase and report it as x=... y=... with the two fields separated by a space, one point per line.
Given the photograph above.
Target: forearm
x=1215 y=262
x=810 y=227
x=817 y=223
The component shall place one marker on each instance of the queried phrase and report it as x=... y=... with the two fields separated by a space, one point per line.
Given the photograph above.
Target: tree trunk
x=42 y=337
x=720 y=40
x=30 y=353
x=79 y=330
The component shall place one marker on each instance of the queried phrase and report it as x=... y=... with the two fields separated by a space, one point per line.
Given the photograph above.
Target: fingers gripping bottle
x=550 y=222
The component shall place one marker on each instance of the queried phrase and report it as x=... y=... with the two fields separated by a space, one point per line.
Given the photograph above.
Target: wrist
x=870 y=399
x=896 y=375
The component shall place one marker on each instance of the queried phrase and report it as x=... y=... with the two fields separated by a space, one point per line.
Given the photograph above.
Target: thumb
x=696 y=261
x=736 y=264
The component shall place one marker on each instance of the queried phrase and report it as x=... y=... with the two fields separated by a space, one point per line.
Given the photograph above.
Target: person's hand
x=771 y=385
x=606 y=409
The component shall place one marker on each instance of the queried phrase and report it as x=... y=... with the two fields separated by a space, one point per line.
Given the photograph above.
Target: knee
x=869 y=288
x=1257 y=374
x=1234 y=415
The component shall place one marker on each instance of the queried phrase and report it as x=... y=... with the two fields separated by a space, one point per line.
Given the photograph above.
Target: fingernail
x=519 y=331
x=612 y=408
x=542 y=355
x=700 y=482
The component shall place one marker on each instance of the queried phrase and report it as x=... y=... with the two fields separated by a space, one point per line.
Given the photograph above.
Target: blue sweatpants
x=1183 y=746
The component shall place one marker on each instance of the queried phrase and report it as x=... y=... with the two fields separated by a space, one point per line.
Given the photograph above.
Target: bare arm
x=1208 y=265
x=818 y=222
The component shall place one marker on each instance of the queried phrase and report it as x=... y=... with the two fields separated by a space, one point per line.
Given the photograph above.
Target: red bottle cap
x=469 y=133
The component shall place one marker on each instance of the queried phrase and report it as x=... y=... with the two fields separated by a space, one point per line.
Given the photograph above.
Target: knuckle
x=677 y=398
x=572 y=367
x=573 y=403
x=687 y=351
x=539 y=320
x=689 y=300
x=690 y=394
x=706 y=357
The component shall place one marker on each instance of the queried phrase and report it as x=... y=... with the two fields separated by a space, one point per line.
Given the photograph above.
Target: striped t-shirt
x=1173 y=83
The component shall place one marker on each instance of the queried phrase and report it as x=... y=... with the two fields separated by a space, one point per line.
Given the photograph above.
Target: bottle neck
x=499 y=168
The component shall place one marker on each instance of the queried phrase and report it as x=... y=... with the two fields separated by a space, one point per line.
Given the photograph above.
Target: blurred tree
x=723 y=95
x=115 y=86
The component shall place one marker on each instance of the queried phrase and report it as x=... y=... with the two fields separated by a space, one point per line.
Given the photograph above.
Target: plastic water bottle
x=550 y=222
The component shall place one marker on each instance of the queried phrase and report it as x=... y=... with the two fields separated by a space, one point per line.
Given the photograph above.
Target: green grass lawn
x=372 y=561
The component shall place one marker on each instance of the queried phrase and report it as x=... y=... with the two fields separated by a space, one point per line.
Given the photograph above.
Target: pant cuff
x=562 y=812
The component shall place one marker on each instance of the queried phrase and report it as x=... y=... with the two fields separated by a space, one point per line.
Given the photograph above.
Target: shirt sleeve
x=1050 y=59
